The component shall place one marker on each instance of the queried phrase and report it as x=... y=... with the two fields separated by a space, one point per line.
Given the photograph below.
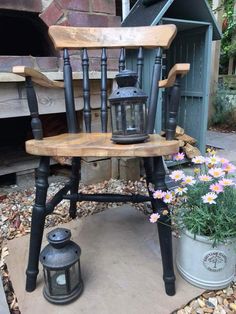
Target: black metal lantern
x=128 y=110
x=61 y=267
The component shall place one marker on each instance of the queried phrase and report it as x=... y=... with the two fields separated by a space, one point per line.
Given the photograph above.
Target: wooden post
x=215 y=56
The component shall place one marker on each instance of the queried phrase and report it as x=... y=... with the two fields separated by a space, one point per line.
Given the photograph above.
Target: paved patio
x=121 y=268
x=225 y=142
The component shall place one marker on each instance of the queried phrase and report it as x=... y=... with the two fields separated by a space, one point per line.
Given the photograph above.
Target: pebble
x=16 y=206
x=199 y=311
x=215 y=302
x=219 y=299
x=233 y=306
x=201 y=302
x=208 y=310
x=212 y=302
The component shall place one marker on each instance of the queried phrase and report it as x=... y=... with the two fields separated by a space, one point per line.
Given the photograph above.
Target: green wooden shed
x=197 y=28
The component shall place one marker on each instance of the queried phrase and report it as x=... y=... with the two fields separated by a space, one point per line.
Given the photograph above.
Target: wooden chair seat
x=99 y=145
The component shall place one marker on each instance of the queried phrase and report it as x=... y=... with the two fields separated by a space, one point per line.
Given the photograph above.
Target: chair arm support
x=37 y=77
x=178 y=69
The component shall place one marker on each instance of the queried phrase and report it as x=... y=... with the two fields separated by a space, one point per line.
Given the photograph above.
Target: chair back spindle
x=156 y=75
x=86 y=91
x=72 y=123
x=173 y=109
x=117 y=37
x=140 y=67
x=36 y=124
x=104 y=114
x=122 y=59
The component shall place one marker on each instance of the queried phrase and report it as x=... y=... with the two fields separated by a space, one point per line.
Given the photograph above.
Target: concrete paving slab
x=226 y=141
x=4 y=309
x=121 y=268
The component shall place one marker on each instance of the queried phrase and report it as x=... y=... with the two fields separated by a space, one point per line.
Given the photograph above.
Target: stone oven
x=24 y=41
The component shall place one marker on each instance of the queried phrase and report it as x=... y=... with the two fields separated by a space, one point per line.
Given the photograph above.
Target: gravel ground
x=15 y=219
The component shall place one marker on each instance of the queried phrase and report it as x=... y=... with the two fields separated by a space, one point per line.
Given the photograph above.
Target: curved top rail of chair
x=99 y=145
x=112 y=37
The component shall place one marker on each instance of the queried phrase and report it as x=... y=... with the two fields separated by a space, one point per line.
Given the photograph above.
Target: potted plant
x=203 y=209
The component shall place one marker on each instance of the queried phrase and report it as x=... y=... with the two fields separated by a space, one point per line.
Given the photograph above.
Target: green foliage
x=227 y=48
x=204 y=203
x=218 y=221
x=224 y=112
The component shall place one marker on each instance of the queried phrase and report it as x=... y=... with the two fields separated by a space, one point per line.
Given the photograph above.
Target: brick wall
x=94 y=13
x=81 y=13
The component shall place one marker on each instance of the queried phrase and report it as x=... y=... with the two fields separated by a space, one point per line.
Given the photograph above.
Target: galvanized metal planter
x=203 y=265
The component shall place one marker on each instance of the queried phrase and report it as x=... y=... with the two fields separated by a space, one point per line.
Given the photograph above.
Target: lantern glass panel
x=58 y=282
x=74 y=276
x=128 y=117
x=46 y=280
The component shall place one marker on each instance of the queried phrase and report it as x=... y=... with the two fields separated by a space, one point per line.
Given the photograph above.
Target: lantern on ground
x=61 y=267
x=128 y=110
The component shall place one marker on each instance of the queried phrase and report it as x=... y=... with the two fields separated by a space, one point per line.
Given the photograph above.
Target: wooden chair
x=77 y=145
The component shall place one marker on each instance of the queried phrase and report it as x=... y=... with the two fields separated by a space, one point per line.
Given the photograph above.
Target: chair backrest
x=150 y=37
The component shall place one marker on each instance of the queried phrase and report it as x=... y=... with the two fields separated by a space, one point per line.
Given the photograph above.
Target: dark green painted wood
x=197 y=10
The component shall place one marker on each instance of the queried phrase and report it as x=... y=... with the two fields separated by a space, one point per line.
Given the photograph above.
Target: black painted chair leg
x=75 y=178
x=37 y=224
x=165 y=238
x=148 y=166
x=164 y=228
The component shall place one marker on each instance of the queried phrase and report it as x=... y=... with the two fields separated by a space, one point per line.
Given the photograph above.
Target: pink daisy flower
x=216 y=188
x=178 y=157
x=209 y=198
x=189 y=180
x=154 y=217
x=216 y=172
x=168 y=197
x=198 y=160
x=180 y=191
x=223 y=160
x=159 y=194
x=213 y=160
x=205 y=178
x=229 y=168
x=226 y=182
x=177 y=175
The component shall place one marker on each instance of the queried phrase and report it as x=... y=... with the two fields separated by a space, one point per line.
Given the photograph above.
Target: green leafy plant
x=229 y=21
x=204 y=203
x=224 y=111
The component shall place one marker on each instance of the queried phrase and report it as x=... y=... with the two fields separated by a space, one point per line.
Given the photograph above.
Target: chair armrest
x=37 y=77
x=178 y=69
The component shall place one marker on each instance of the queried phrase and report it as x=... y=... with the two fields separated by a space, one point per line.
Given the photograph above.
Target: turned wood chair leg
x=37 y=224
x=164 y=228
x=75 y=178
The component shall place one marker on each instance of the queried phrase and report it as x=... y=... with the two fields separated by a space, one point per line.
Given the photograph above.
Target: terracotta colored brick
x=52 y=14
x=104 y=6
x=78 y=5
x=94 y=64
x=112 y=64
x=75 y=62
x=26 y=5
x=47 y=63
x=114 y=21
x=84 y=19
x=7 y=62
x=94 y=53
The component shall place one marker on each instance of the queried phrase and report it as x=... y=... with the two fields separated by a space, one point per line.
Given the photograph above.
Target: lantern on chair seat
x=128 y=110
x=61 y=267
